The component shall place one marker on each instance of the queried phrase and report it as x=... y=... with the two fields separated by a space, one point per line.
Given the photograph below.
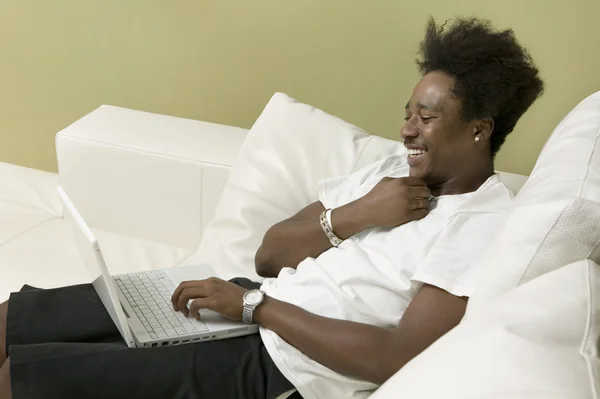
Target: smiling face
x=442 y=147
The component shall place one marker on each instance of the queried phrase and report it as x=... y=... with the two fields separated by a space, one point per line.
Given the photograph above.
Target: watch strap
x=248 y=309
x=248 y=314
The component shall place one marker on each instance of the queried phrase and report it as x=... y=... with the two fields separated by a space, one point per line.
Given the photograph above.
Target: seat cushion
x=37 y=247
x=47 y=257
x=27 y=200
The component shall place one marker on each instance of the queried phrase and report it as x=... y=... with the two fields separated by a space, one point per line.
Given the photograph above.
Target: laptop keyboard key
x=149 y=293
x=170 y=331
x=190 y=329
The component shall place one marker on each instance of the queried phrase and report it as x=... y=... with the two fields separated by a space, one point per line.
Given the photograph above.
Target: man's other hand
x=214 y=294
x=396 y=201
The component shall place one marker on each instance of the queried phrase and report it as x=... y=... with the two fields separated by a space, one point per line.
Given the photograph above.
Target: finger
x=197 y=304
x=419 y=203
x=419 y=191
x=186 y=295
x=178 y=290
x=413 y=181
x=176 y=294
x=419 y=213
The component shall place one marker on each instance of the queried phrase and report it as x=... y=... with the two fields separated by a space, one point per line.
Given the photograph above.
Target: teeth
x=415 y=152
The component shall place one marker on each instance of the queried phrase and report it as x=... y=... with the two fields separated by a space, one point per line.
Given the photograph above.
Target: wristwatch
x=252 y=299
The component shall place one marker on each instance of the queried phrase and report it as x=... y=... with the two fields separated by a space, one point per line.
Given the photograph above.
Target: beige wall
x=221 y=60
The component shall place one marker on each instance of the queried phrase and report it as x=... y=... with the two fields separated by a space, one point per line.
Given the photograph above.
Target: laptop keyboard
x=149 y=294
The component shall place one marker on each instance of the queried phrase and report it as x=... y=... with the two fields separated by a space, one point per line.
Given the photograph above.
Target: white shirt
x=372 y=277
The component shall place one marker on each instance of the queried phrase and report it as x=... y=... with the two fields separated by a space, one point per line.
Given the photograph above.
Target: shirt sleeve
x=454 y=264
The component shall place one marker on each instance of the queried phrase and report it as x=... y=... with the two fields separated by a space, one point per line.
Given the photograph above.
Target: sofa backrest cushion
x=536 y=341
x=290 y=147
x=555 y=218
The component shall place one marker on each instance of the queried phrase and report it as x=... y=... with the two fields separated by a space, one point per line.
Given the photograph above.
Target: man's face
x=437 y=139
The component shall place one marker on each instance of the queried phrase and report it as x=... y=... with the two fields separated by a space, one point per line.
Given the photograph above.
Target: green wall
x=221 y=60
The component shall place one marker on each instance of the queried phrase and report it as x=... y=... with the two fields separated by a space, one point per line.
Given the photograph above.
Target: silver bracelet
x=328 y=230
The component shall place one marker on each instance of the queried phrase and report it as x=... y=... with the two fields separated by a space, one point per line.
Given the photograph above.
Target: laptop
x=140 y=303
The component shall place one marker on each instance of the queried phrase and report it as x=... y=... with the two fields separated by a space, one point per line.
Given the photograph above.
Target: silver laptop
x=140 y=303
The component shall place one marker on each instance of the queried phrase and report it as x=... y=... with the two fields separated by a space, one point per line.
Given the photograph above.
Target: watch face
x=253 y=297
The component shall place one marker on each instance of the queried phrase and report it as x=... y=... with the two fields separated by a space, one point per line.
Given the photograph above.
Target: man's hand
x=215 y=294
x=395 y=201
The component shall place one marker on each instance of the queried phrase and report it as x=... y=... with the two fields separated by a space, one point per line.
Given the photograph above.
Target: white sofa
x=148 y=185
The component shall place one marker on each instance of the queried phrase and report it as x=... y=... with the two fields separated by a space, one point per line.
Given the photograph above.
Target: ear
x=483 y=128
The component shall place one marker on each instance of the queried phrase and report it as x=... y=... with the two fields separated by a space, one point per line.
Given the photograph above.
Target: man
x=360 y=281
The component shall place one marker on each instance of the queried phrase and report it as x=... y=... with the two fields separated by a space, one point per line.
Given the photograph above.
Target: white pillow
x=555 y=218
x=537 y=341
x=290 y=147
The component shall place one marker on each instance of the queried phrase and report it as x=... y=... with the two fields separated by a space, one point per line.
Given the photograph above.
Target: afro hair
x=494 y=75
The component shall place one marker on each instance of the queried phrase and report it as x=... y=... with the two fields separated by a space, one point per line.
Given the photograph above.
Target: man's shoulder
x=392 y=166
x=492 y=197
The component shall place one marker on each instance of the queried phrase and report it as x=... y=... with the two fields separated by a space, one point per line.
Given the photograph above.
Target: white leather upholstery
x=36 y=245
x=537 y=341
x=147 y=204
x=555 y=218
x=151 y=176
x=26 y=200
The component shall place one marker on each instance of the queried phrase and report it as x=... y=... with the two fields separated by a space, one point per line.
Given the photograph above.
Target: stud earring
x=476 y=138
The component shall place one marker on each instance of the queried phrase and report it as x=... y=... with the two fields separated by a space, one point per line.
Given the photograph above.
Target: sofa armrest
x=146 y=175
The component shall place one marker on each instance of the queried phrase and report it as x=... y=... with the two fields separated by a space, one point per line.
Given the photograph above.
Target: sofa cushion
x=27 y=200
x=555 y=218
x=47 y=257
x=290 y=147
x=36 y=246
x=537 y=341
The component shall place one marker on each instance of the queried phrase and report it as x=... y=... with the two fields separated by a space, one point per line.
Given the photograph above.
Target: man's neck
x=468 y=183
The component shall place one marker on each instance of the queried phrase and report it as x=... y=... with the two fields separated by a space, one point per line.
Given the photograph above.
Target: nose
x=409 y=130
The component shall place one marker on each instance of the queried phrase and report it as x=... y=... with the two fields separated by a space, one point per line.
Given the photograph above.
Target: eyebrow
x=435 y=108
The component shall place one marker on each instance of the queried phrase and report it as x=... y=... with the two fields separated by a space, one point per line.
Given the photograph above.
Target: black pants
x=63 y=344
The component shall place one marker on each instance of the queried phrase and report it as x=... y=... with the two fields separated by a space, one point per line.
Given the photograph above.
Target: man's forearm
x=349 y=348
x=349 y=219
x=288 y=243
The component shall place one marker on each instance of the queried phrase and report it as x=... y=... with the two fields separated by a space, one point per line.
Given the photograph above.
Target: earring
x=476 y=138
